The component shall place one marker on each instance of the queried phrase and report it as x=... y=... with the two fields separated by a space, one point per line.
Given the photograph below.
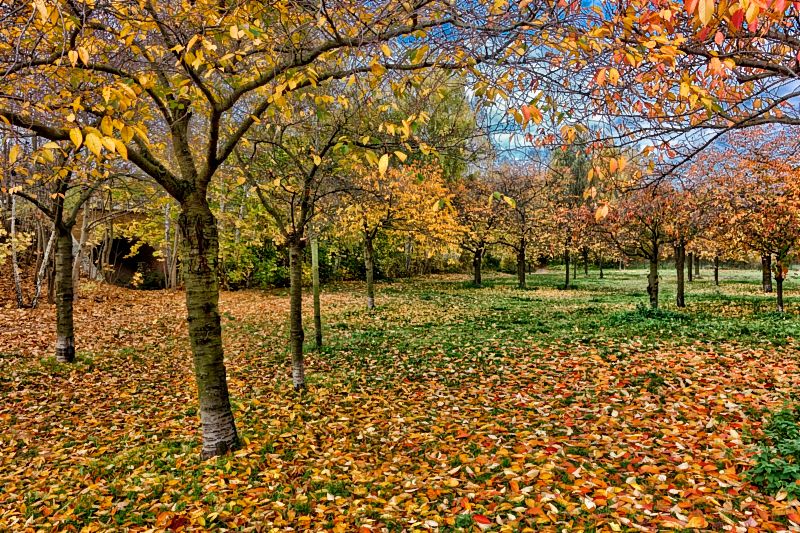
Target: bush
x=777 y=465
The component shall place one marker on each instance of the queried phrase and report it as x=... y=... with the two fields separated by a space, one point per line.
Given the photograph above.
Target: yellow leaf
x=601 y=213
x=94 y=144
x=317 y=159
x=42 y=9
x=705 y=11
x=386 y=50
x=76 y=136
x=126 y=134
x=401 y=156
x=122 y=150
x=13 y=154
x=73 y=57
x=83 y=53
x=108 y=142
x=234 y=32
x=107 y=126
x=383 y=164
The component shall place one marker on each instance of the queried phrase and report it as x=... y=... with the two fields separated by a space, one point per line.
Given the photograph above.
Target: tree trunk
x=84 y=236
x=315 y=287
x=585 y=253
x=201 y=256
x=409 y=248
x=296 y=334
x=652 y=280
x=477 y=263
x=689 y=266
x=680 y=260
x=40 y=275
x=65 y=333
x=697 y=266
x=766 y=273
x=14 y=258
x=780 y=275
x=521 y=282
x=716 y=270
x=566 y=268
x=575 y=269
x=369 y=267
x=600 y=265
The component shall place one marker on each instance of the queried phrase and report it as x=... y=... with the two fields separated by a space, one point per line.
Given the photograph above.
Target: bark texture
x=65 y=331
x=521 y=257
x=296 y=333
x=766 y=273
x=316 y=289
x=201 y=251
x=716 y=270
x=652 y=281
x=779 y=277
x=680 y=260
x=689 y=266
x=477 y=265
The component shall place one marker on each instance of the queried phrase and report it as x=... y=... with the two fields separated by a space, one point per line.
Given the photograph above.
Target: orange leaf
x=697 y=522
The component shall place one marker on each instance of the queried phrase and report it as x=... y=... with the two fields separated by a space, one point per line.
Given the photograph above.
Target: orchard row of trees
x=291 y=121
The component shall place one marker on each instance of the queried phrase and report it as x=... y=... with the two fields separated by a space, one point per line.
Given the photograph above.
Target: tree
x=757 y=172
x=639 y=226
x=69 y=191
x=478 y=216
x=195 y=77
x=407 y=200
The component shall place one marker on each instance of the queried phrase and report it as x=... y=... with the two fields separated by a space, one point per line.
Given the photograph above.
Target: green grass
x=465 y=325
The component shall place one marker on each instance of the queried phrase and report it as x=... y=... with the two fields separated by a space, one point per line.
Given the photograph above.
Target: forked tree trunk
x=716 y=270
x=697 y=266
x=690 y=266
x=316 y=290
x=566 y=268
x=680 y=260
x=296 y=333
x=369 y=267
x=766 y=273
x=477 y=264
x=521 y=281
x=652 y=280
x=201 y=255
x=65 y=332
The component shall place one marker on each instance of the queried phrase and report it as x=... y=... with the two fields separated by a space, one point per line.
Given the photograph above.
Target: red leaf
x=691 y=6
x=737 y=19
x=481 y=519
